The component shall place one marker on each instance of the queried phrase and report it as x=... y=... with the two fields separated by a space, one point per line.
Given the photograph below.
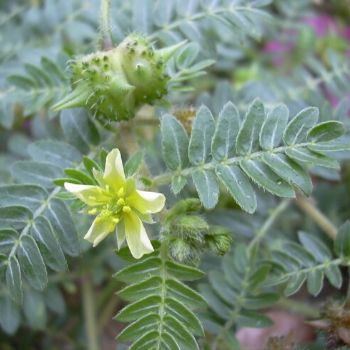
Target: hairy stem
x=309 y=207
x=89 y=314
x=165 y=178
x=105 y=29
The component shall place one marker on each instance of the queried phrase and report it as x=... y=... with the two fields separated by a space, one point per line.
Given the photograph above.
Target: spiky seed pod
x=115 y=83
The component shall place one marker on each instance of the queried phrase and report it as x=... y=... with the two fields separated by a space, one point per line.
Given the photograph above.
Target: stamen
x=92 y=211
x=120 y=202
x=121 y=192
x=115 y=220
x=126 y=209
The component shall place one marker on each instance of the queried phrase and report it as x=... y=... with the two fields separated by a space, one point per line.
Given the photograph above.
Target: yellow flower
x=119 y=206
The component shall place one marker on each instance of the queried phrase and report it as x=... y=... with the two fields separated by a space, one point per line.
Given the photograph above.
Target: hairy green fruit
x=218 y=240
x=114 y=84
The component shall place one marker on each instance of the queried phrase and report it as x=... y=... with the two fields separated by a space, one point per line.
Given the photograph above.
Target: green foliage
x=37 y=229
x=171 y=20
x=39 y=86
x=224 y=147
x=310 y=262
x=161 y=304
x=276 y=156
x=236 y=293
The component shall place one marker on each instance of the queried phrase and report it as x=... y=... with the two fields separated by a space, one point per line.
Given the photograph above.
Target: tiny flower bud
x=218 y=241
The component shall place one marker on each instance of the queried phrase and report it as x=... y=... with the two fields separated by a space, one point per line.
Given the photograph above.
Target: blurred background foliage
x=295 y=52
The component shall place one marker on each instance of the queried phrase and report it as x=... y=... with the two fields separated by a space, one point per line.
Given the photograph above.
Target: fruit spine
x=114 y=84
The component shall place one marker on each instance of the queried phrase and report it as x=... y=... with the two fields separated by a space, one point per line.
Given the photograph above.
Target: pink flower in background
x=346 y=36
x=322 y=24
x=278 y=50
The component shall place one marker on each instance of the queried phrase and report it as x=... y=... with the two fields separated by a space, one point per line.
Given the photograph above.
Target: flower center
x=114 y=209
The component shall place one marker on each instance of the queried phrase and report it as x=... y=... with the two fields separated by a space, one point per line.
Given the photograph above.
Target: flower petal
x=120 y=232
x=136 y=236
x=99 y=230
x=91 y=195
x=114 y=172
x=146 y=202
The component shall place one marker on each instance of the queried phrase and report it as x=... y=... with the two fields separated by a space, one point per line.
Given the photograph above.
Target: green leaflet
x=32 y=263
x=161 y=305
x=309 y=158
x=298 y=128
x=49 y=246
x=266 y=178
x=14 y=279
x=9 y=315
x=289 y=171
x=238 y=186
x=79 y=176
x=227 y=127
x=34 y=309
x=133 y=164
x=79 y=129
x=201 y=136
x=330 y=146
x=326 y=131
x=334 y=276
x=342 y=241
x=178 y=183
x=174 y=143
x=38 y=173
x=62 y=223
x=30 y=196
x=315 y=246
x=315 y=281
x=14 y=216
x=248 y=135
x=8 y=237
x=207 y=187
x=272 y=130
x=55 y=152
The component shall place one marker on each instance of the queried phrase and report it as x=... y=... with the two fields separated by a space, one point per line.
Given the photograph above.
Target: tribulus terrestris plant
x=174 y=175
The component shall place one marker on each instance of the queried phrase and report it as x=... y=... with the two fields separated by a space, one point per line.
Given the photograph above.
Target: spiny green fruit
x=114 y=84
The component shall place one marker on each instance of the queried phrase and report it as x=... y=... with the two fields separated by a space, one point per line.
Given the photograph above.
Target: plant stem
x=309 y=207
x=105 y=29
x=259 y=235
x=165 y=178
x=89 y=314
x=269 y=222
x=299 y=307
x=347 y=298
